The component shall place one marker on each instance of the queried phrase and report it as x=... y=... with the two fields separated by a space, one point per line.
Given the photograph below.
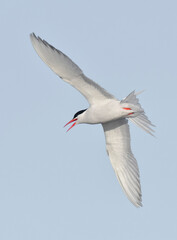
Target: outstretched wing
x=124 y=164
x=66 y=69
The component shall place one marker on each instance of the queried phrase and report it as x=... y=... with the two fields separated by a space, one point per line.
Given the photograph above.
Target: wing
x=124 y=164
x=66 y=69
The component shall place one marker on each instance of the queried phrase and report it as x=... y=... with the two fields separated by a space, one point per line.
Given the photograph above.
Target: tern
x=103 y=109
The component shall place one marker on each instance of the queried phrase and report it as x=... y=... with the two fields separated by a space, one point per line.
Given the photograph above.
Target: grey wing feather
x=124 y=164
x=66 y=69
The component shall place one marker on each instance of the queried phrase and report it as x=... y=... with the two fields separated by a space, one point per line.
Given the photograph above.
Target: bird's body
x=104 y=109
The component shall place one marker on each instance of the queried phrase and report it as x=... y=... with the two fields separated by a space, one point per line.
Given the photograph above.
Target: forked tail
x=139 y=119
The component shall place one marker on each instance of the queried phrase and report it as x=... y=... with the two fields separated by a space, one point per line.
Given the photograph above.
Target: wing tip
x=33 y=36
x=136 y=202
x=38 y=40
x=138 y=205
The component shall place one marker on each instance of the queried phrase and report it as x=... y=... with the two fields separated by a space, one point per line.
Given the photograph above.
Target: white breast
x=102 y=112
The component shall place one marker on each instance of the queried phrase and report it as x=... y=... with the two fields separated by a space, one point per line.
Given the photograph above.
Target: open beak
x=73 y=120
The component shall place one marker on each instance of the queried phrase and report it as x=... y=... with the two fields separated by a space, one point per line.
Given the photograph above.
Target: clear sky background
x=60 y=186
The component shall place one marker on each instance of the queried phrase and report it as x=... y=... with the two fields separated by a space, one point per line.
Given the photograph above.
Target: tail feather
x=141 y=119
x=140 y=124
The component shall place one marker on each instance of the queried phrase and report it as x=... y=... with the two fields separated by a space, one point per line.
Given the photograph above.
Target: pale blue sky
x=55 y=185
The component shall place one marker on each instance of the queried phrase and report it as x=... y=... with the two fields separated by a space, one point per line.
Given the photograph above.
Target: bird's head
x=76 y=119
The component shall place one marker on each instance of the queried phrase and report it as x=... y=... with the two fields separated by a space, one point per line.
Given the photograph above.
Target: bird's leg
x=129 y=109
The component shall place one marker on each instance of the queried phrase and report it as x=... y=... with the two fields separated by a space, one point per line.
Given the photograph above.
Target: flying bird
x=103 y=109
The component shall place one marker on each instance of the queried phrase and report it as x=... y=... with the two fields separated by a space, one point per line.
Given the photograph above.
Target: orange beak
x=73 y=120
